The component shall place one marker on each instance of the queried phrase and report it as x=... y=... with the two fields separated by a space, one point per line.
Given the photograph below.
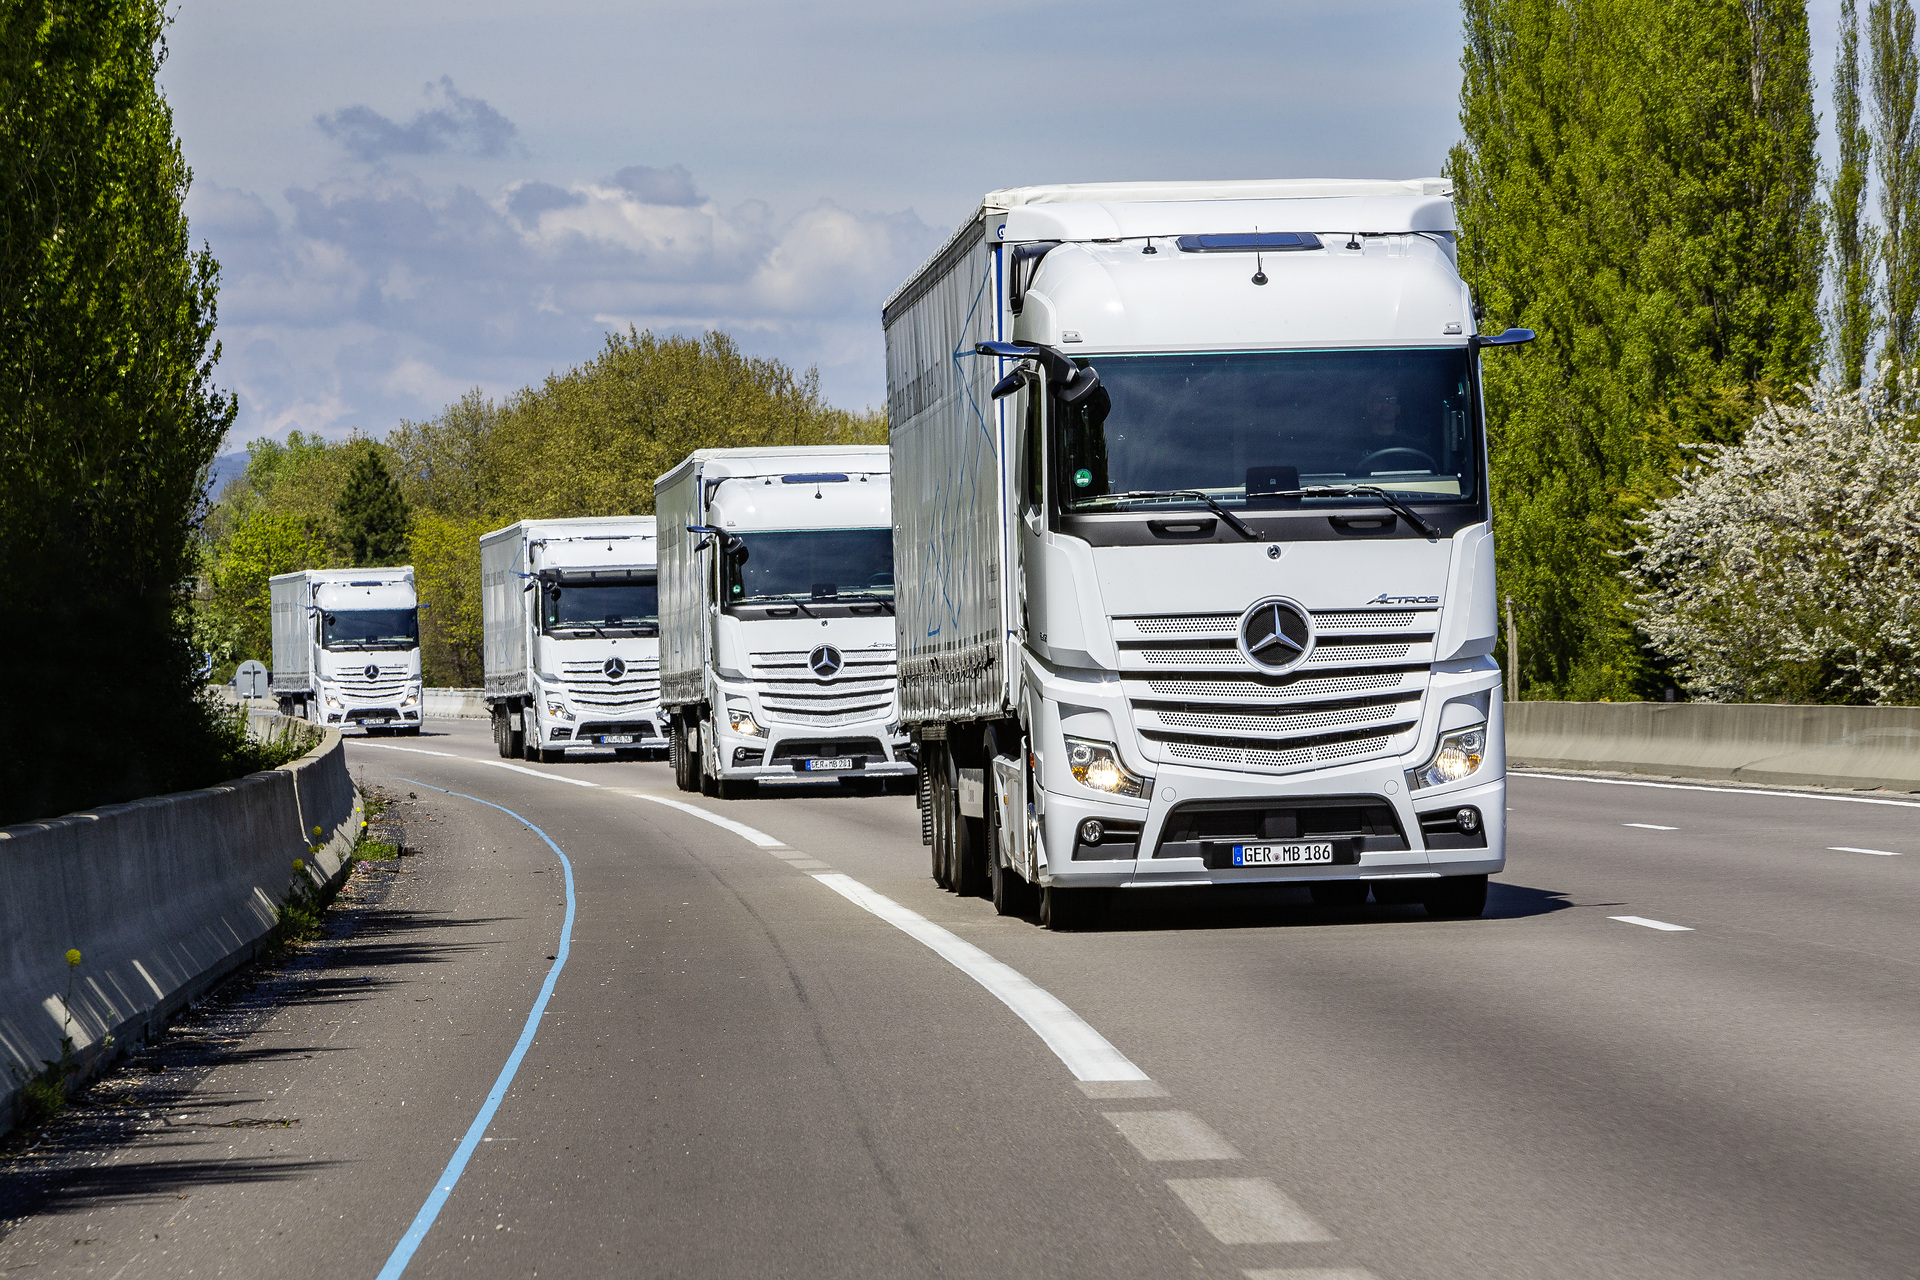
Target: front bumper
x=782 y=755
x=1377 y=782
x=645 y=730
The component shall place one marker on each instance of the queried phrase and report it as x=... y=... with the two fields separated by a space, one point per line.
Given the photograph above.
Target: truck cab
x=347 y=648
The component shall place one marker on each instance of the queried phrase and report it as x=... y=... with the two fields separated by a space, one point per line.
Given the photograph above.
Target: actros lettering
x=1384 y=598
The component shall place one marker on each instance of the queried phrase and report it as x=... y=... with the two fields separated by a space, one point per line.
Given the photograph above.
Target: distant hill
x=227 y=466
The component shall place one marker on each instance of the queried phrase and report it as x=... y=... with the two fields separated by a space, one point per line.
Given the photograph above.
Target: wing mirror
x=1511 y=338
x=1071 y=384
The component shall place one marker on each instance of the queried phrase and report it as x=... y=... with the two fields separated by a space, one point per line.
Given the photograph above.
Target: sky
x=410 y=201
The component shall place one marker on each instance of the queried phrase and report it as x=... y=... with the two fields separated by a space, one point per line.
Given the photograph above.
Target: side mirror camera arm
x=1071 y=384
x=1511 y=338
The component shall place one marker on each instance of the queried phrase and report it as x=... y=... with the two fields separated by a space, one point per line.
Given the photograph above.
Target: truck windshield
x=810 y=564
x=1230 y=424
x=631 y=605
x=370 y=629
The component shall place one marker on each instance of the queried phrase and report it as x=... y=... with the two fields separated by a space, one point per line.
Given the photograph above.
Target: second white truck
x=346 y=647
x=776 y=607
x=571 y=636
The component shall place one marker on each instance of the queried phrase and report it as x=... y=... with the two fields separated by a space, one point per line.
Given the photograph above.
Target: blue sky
x=408 y=201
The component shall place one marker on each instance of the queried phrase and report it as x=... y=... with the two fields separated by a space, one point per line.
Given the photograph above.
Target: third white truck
x=1194 y=545
x=776 y=608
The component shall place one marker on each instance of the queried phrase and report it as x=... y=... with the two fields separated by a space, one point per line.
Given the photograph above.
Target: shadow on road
x=1291 y=906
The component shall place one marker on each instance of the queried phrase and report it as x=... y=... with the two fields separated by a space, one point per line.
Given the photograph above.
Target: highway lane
x=744 y=1072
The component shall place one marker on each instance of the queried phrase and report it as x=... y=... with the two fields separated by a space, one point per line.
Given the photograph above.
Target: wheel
x=1011 y=895
x=709 y=785
x=942 y=830
x=1067 y=909
x=969 y=868
x=923 y=797
x=1457 y=897
x=680 y=756
x=516 y=741
x=1338 y=895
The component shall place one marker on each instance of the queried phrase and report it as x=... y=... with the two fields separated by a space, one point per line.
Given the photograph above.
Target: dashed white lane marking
x=1171 y=1135
x=1645 y=923
x=1878 y=853
x=1311 y=1273
x=1122 y=1088
x=1247 y=1211
x=1085 y=1051
x=1725 y=791
x=741 y=829
x=1649 y=826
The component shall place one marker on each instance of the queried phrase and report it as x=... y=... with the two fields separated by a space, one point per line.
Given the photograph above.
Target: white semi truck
x=1194 y=547
x=346 y=647
x=776 y=609
x=570 y=644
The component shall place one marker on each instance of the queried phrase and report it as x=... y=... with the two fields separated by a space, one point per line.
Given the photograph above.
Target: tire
x=939 y=807
x=1339 y=895
x=923 y=797
x=1066 y=910
x=1457 y=897
x=709 y=785
x=516 y=741
x=1011 y=895
x=969 y=866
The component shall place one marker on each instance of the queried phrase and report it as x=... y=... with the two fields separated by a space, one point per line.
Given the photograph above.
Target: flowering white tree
x=1787 y=568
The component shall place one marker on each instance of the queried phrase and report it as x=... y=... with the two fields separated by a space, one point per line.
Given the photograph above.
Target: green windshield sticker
x=1082 y=478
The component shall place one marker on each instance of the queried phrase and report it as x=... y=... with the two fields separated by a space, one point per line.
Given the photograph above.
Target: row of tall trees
x=109 y=415
x=586 y=442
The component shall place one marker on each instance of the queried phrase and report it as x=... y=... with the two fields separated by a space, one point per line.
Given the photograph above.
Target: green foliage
x=446 y=574
x=108 y=412
x=1638 y=184
x=373 y=515
x=1852 y=322
x=263 y=544
x=1894 y=76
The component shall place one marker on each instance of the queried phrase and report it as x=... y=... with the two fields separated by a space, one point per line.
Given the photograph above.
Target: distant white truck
x=776 y=608
x=571 y=649
x=1195 y=547
x=346 y=647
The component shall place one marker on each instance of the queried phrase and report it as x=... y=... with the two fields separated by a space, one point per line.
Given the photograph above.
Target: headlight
x=410 y=700
x=1097 y=765
x=1458 y=756
x=741 y=718
x=333 y=702
x=559 y=709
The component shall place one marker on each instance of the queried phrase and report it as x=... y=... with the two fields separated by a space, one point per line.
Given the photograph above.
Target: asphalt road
x=749 y=1067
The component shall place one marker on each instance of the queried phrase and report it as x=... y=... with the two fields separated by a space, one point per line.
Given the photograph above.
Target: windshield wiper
x=1386 y=499
x=1240 y=526
x=581 y=626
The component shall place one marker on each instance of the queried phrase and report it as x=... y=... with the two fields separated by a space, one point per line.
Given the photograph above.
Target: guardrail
x=162 y=898
x=453 y=704
x=1797 y=746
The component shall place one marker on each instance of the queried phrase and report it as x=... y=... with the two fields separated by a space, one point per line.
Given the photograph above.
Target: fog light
x=1468 y=820
x=1091 y=832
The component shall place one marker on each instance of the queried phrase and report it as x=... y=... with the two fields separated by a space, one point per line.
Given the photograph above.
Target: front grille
x=637 y=728
x=589 y=689
x=389 y=685
x=829 y=748
x=791 y=694
x=1362 y=824
x=1197 y=699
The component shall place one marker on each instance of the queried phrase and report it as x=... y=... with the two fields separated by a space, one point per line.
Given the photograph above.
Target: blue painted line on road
x=450 y=1176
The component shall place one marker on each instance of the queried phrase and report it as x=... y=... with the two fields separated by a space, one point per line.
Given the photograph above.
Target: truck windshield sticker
x=1247 y=427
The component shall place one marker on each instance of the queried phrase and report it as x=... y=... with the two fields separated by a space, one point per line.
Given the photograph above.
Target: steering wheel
x=1377 y=454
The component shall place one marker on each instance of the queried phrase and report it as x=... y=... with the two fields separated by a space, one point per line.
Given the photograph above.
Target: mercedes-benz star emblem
x=1275 y=635
x=825 y=661
x=372 y=672
x=614 y=668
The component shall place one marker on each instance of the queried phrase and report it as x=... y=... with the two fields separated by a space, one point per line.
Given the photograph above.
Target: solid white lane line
x=1247 y=1211
x=493 y=764
x=1311 y=1273
x=1698 y=786
x=1645 y=923
x=1084 y=1050
x=1122 y=1088
x=1649 y=826
x=1878 y=853
x=740 y=829
x=412 y=751
x=1171 y=1135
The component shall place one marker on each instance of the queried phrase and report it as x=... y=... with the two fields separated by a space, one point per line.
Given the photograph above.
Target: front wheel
x=1457 y=897
x=709 y=785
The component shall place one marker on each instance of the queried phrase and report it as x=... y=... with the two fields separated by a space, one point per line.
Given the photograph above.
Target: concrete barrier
x=453 y=704
x=1849 y=747
x=162 y=897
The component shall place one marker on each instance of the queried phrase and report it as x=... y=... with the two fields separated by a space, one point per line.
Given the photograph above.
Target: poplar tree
x=1894 y=77
x=1853 y=322
x=374 y=518
x=1638 y=183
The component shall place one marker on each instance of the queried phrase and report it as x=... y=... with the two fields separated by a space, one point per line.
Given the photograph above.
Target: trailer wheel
x=1457 y=897
x=969 y=868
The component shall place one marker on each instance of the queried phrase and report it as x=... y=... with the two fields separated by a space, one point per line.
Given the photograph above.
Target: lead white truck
x=776 y=608
x=570 y=636
x=1194 y=547
x=346 y=647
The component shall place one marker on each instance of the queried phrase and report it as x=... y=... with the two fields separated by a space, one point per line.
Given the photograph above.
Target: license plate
x=616 y=737
x=1281 y=855
x=836 y=762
